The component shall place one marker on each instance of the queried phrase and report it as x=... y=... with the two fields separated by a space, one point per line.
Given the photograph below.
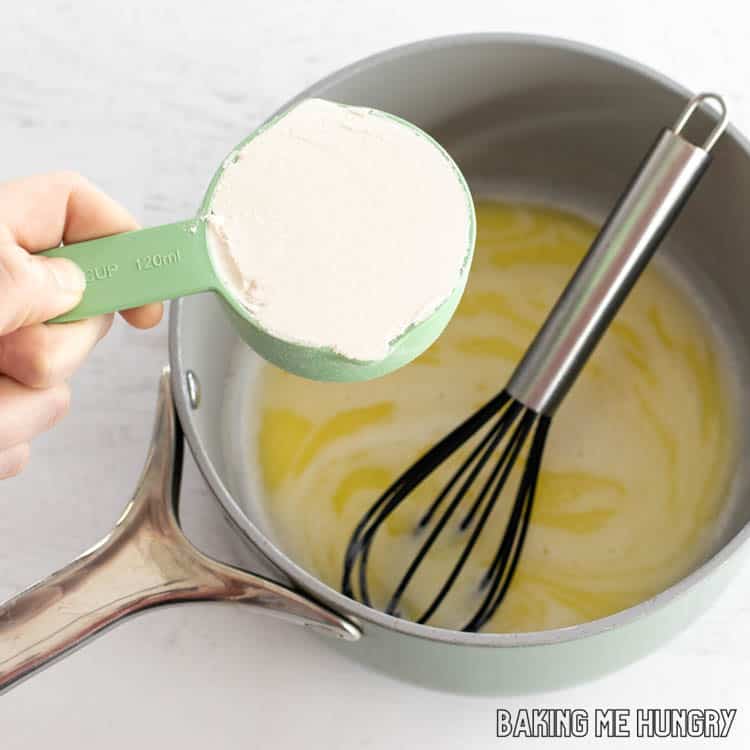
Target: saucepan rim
x=308 y=583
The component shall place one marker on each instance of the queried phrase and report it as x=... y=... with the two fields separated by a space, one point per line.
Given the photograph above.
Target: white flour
x=340 y=227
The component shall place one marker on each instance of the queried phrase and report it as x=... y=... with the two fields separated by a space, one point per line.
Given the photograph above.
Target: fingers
x=38 y=359
x=13 y=460
x=38 y=213
x=146 y=316
x=26 y=412
x=41 y=356
x=34 y=289
x=42 y=211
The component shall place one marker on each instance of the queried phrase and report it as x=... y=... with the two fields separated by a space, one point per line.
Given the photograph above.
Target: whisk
x=523 y=411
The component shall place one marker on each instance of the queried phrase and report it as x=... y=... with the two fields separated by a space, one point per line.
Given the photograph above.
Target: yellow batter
x=636 y=465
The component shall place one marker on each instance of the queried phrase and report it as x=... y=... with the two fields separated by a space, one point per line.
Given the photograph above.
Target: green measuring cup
x=174 y=260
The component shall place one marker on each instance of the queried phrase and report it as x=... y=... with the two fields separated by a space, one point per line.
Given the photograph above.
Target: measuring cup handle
x=145 y=562
x=149 y=265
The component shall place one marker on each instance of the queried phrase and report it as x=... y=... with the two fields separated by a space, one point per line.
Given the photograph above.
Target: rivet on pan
x=193 y=389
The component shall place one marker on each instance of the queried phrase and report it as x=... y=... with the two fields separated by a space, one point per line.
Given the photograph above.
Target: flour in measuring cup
x=340 y=227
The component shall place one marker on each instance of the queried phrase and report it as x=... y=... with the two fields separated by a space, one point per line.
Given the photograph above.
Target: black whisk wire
x=357 y=552
x=500 y=573
x=502 y=469
x=514 y=423
x=485 y=448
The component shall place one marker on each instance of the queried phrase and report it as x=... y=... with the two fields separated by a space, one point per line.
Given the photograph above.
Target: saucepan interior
x=531 y=118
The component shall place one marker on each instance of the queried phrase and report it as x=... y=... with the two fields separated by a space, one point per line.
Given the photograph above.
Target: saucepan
x=528 y=116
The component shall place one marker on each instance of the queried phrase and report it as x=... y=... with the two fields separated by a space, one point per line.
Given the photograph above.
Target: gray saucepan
x=523 y=115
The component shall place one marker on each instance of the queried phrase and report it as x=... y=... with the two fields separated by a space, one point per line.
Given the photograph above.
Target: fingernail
x=69 y=276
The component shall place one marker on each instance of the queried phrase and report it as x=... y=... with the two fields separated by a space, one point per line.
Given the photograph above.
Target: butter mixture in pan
x=636 y=467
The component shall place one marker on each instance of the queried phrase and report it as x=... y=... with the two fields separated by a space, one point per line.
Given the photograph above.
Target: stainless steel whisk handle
x=620 y=252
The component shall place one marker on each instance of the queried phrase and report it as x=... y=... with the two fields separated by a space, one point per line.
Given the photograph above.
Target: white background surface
x=145 y=98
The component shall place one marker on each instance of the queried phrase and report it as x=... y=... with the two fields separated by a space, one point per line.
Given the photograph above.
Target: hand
x=37 y=213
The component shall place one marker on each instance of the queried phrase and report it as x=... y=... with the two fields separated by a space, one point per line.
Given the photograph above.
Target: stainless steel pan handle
x=146 y=561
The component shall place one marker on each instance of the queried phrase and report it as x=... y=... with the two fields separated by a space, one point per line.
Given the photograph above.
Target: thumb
x=34 y=288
